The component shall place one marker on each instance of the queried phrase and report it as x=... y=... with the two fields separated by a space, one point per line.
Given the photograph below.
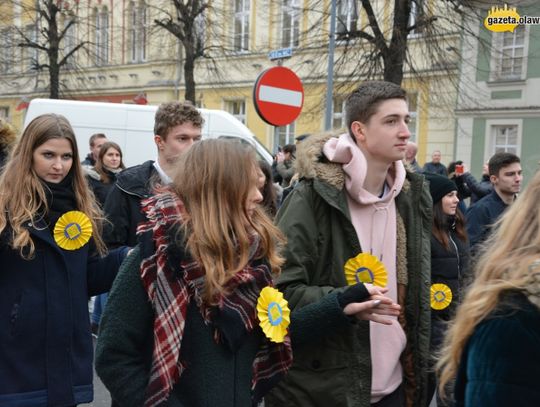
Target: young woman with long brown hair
x=181 y=320
x=493 y=345
x=102 y=176
x=49 y=232
x=449 y=264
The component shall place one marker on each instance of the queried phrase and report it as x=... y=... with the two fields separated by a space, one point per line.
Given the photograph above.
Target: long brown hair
x=100 y=168
x=213 y=180
x=440 y=225
x=22 y=195
x=505 y=265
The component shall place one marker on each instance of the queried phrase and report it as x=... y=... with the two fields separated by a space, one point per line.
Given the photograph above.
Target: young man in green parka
x=358 y=217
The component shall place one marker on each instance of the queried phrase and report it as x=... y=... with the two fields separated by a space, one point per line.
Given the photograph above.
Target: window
x=237 y=108
x=102 y=36
x=416 y=16
x=509 y=61
x=284 y=135
x=241 y=25
x=70 y=41
x=290 y=17
x=4 y=112
x=505 y=139
x=338 y=113
x=412 y=99
x=137 y=31
x=347 y=16
x=30 y=55
x=6 y=51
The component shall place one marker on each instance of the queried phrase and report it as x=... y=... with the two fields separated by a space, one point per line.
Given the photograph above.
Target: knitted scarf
x=172 y=279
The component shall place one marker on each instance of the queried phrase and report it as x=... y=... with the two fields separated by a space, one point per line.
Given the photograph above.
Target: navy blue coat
x=482 y=215
x=45 y=342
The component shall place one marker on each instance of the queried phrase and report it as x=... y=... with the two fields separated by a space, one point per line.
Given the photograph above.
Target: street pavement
x=101 y=395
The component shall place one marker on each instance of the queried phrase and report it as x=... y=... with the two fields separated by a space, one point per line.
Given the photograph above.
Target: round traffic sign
x=278 y=96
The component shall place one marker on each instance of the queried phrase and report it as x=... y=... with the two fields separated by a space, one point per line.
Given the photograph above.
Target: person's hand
x=376 y=308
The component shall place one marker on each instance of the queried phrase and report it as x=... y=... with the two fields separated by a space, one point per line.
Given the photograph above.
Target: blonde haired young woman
x=493 y=346
x=49 y=228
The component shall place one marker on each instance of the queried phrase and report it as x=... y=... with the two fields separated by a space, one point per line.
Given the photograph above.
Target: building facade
x=126 y=57
x=499 y=99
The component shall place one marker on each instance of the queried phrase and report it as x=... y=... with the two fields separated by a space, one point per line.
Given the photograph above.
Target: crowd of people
x=345 y=274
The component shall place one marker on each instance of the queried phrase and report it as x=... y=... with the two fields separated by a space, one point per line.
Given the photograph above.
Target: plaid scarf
x=172 y=279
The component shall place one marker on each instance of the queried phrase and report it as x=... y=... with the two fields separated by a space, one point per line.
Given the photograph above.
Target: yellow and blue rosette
x=366 y=268
x=73 y=230
x=441 y=296
x=274 y=314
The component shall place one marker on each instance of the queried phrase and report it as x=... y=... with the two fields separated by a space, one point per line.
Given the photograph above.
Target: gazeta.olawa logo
x=501 y=19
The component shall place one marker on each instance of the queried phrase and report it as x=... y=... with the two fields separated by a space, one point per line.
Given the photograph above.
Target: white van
x=132 y=126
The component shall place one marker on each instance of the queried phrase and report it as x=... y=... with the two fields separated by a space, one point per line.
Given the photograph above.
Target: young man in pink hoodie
x=358 y=218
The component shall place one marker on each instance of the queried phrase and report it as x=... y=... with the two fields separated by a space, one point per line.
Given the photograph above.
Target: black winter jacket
x=123 y=203
x=449 y=266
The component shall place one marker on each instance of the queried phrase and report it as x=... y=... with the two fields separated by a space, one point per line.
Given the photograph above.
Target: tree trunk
x=189 y=74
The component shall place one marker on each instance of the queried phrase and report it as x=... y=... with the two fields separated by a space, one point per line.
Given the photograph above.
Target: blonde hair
x=213 y=180
x=504 y=265
x=22 y=194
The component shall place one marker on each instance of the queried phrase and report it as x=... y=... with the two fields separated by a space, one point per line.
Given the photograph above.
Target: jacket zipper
x=458 y=267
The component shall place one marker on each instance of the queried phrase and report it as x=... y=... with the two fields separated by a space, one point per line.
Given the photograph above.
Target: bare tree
x=186 y=23
x=50 y=38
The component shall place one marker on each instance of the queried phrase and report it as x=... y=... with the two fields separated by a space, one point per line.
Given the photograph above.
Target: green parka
x=335 y=369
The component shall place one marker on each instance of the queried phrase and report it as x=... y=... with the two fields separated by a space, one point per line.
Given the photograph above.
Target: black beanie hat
x=439 y=186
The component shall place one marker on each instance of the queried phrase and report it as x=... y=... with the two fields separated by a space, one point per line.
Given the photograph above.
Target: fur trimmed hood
x=311 y=162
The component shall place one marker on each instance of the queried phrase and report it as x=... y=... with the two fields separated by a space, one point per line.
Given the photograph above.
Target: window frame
x=243 y=14
x=498 y=55
x=291 y=10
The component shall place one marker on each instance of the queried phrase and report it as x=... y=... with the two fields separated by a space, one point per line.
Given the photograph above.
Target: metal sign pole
x=330 y=71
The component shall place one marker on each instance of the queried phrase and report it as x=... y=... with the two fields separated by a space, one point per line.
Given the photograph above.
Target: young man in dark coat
x=506 y=176
x=177 y=127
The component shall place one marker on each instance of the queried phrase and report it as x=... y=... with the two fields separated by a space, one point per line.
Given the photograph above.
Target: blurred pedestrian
x=285 y=164
x=449 y=264
x=101 y=179
x=435 y=166
x=102 y=176
x=50 y=248
x=268 y=189
x=493 y=345
x=95 y=141
x=456 y=170
x=479 y=189
x=181 y=326
x=7 y=140
x=410 y=156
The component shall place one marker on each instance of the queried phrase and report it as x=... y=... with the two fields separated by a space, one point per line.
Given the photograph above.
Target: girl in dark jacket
x=49 y=225
x=101 y=179
x=449 y=262
x=102 y=176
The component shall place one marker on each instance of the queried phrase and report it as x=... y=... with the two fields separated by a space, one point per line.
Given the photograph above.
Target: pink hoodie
x=374 y=220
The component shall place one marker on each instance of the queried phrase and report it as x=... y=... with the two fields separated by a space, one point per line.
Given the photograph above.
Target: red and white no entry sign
x=278 y=96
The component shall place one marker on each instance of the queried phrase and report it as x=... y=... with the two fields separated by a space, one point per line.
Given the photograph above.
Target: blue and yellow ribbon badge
x=73 y=230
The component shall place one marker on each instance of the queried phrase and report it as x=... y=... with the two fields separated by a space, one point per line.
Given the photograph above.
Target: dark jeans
x=394 y=399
